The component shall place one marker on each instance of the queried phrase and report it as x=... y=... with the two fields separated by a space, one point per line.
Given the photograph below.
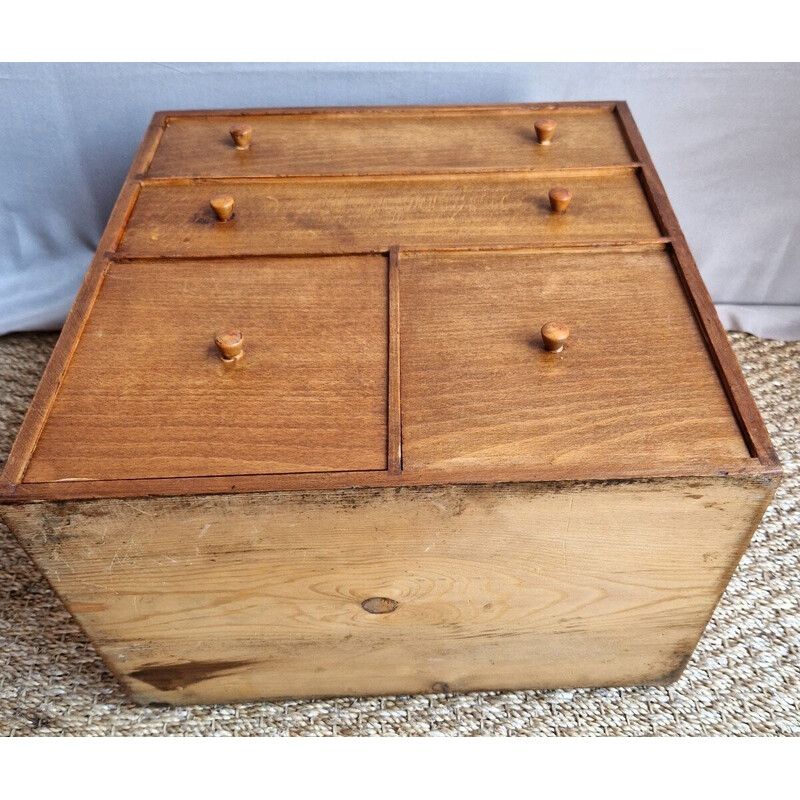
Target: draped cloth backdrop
x=725 y=139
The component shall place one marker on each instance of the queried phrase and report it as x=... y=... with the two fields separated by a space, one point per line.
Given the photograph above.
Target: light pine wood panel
x=215 y=599
x=147 y=395
x=392 y=141
x=368 y=214
x=633 y=385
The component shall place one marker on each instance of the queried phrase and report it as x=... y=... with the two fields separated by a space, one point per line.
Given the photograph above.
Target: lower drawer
x=374 y=591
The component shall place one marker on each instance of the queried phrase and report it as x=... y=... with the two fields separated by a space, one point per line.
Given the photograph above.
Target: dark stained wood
x=750 y=419
x=147 y=394
x=73 y=326
x=633 y=384
x=589 y=106
x=336 y=142
x=230 y=344
x=554 y=336
x=26 y=441
x=338 y=215
x=241 y=133
x=223 y=207
x=395 y=441
x=545 y=129
x=559 y=199
x=607 y=471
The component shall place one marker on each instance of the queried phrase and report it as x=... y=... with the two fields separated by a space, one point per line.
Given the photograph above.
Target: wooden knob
x=545 y=128
x=223 y=207
x=554 y=334
x=559 y=199
x=230 y=344
x=241 y=134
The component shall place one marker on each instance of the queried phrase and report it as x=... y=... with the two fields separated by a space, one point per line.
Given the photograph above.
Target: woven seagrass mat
x=744 y=678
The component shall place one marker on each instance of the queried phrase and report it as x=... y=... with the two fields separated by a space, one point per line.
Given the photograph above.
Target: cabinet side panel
x=56 y=369
x=217 y=599
x=730 y=371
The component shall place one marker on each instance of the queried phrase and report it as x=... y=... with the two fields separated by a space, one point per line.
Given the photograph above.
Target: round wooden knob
x=559 y=199
x=545 y=128
x=241 y=135
x=554 y=334
x=223 y=207
x=230 y=344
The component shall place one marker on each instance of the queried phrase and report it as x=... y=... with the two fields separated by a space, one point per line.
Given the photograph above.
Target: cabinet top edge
x=584 y=105
x=21 y=493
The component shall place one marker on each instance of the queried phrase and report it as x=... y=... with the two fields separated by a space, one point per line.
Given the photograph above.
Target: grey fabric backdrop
x=725 y=139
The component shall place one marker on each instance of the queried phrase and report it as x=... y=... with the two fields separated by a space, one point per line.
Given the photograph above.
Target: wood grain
x=353 y=215
x=722 y=353
x=333 y=481
x=394 y=455
x=70 y=333
x=147 y=394
x=395 y=142
x=633 y=384
x=741 y=399
x=497 y=587
x=419 y=377
x=586 y=106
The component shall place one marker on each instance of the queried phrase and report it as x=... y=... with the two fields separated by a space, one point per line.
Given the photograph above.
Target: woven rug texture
x=744 y=678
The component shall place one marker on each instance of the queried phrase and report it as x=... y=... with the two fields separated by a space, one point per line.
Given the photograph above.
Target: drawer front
x=388 y=142
x=148 y=394
x=633 y=387
x=338 y=215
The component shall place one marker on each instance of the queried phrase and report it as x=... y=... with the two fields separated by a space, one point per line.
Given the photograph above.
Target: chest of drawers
x=361 y=401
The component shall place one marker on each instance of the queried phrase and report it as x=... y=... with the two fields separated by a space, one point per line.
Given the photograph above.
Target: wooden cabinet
x=390 y=400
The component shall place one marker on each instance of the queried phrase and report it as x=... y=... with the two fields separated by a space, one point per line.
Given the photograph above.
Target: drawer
x=147 y=393
x=389 y=141
x=633 y=388
x=339 y=215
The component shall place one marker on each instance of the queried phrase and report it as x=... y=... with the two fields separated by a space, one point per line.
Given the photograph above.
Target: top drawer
x=390 y=141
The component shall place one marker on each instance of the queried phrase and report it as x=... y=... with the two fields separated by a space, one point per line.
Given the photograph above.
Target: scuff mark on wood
x=168 y=677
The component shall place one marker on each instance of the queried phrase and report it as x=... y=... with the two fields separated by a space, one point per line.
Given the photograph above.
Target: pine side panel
x=218 y=599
